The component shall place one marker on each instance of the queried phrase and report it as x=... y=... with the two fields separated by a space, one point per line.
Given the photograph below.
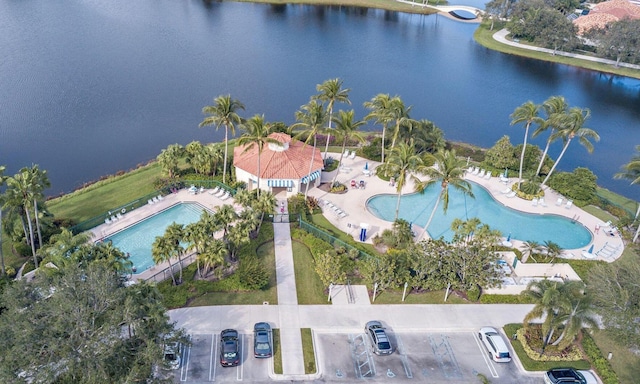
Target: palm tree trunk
x=313 y=155
x=384 y=128
x=398 y=203
x=226 y=149
x=33 y=246
x=35 y=209
x=544 y=155
x=180 y=265
x=4 y=271
x=433 y=212
x=564 y=149
x=524 y=147
x=258 y=191
x=326 y=146
x=171 y=271
x=344 y=145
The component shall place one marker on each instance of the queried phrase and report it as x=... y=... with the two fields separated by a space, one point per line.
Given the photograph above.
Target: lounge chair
x=150 y=202
x=119 y=216
x=352 y=155
x=201 y=190
x=160 y=197
x=107 y=221
x=214 y=190
x=542 y=202
x=225 y=196
x=534 y=202
x=221 y=192
x=487 y=176
x=154 y=199
x=569 y=204
x=506 y=190
x=511 y=194
x=342 y=214
x=476 y=170
x=114 y=219
x=346 y=153
x=481 y=174
x=559 y=201
x=470 y=169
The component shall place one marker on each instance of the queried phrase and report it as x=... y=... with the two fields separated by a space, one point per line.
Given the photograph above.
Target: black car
x=262 y=340
x=379 y=339
x=229 y=348
x=564 y=375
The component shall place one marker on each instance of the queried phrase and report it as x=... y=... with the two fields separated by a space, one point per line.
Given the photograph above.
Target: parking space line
x=403 y=357
x=184 y=370
x=483 y=352
x=213 y=358
x=240 y=368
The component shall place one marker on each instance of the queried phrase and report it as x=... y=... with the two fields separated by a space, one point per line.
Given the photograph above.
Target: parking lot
x=452 y=357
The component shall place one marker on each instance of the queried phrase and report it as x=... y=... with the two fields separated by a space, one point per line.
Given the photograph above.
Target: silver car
x=378 y=337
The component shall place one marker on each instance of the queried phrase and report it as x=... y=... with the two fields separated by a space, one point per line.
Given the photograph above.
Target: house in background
x=283 y=168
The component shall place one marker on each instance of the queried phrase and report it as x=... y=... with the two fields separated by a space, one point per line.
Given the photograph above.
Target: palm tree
x=2 y=180
x=526 y=113
x=555 y=107
x=448 y=170
x=403 y=163
x=62 y=246
x=169 y=159
x=427 y=136
x=631 y=172
x=21 y=191
x=380 y=107
x=311 y=119
x=224 y=111
x=213 y=255
x=257 y=134
x=550 y=299
x=175 y=235
x=196 y=236
x=529 y=248
x=347 y=129
x=400 y=115
x=581 y=314
x=572 y=127
x=331 y=91
x=266 y=203
x=553 y=250
x=161 y=251
x=224 y=217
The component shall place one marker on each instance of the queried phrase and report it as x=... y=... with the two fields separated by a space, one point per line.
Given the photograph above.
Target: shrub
x=531 y=340
x=600 y=364
x=473 y=293
x=252 y=274
x=504 y=299
x=338 y=187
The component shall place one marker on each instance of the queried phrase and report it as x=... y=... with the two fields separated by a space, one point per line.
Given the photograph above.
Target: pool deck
x=205 y=199
x=605 y=247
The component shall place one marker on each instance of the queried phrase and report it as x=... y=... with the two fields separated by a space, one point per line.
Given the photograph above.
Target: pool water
x=416 y=208
x=137 y=239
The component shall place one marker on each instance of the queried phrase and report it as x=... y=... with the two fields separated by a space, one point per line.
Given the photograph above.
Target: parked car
x=378 y=337
x=564 y=376
x=262 y=340
x=172 y=354
x=495 y=344
x=229 y=348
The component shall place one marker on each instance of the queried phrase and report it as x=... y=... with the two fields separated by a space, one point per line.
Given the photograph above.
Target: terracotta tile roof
x=607 y=12
x=290 y=163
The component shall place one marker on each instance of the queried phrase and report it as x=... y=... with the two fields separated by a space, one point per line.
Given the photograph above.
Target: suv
x=379 y=339
x=262 y=340
x=172 y=352
x=495 y=344
x=229 y=348
x=564 y=375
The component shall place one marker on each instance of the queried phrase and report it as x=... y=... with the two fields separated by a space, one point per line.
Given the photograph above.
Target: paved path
x=501 y=36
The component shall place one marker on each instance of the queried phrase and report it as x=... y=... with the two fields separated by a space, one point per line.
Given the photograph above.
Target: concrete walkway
x=501 y=36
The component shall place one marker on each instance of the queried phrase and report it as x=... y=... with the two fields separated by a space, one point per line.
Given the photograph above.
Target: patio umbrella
x=506 y=172
x=366 y=165
x=509 y=237
x=591 y=249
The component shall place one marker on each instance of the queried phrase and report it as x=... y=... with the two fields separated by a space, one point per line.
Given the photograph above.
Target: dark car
x=262 y=340
x=379 y=339
x=229 y=348
x=564 y=375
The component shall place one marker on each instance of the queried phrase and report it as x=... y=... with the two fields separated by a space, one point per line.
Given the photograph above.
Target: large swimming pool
x=416 y=208
x=137 y=239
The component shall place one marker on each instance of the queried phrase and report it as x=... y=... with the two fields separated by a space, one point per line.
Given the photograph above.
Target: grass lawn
x=381 y=4
x=484 y=37
x=277 y=352
x=308 y=285
x=105 y=195
x=628 y=204
x=533 y=365
x=321 y=222
x=625 y=363
x=308 y=353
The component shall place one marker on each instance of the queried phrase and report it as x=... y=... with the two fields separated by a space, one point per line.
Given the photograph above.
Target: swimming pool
x=416 y=208
x=137 y=239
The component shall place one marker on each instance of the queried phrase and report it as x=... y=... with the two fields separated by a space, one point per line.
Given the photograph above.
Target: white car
x=495 y=344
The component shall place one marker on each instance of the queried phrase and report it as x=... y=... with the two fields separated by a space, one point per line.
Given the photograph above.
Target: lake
x=88 y=88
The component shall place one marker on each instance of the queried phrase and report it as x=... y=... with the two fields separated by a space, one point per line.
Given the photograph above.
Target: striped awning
x=311 y=177
x=279 y=183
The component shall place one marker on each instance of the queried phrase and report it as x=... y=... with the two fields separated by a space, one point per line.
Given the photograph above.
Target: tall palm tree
x=330 y=92
x=213 y=255
x=197 y=237
x=555 y=107
x=550 y=299
x=380 y=107
x=257 y=134
x=578 y=316
x=530 y=248
x=266 y=203
x=311 y=119
x=427 y=136
x=448 y=170
x=2 y=181
x=572 y=127
x=21 y=191
x=403 y=162
x=400 y=116
x=161 y=251
x=631 y=171
x=175 y=235
x=223 y=112
x=553 y=250
x=526 y=113
x=169 y=159
x=347 y=129
x=224 y=217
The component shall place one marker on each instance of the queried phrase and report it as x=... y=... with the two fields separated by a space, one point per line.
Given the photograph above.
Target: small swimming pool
x=137 y=239
x=416 y=208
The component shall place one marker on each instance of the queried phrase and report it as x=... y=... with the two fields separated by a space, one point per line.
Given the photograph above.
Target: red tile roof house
x=283 y=168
